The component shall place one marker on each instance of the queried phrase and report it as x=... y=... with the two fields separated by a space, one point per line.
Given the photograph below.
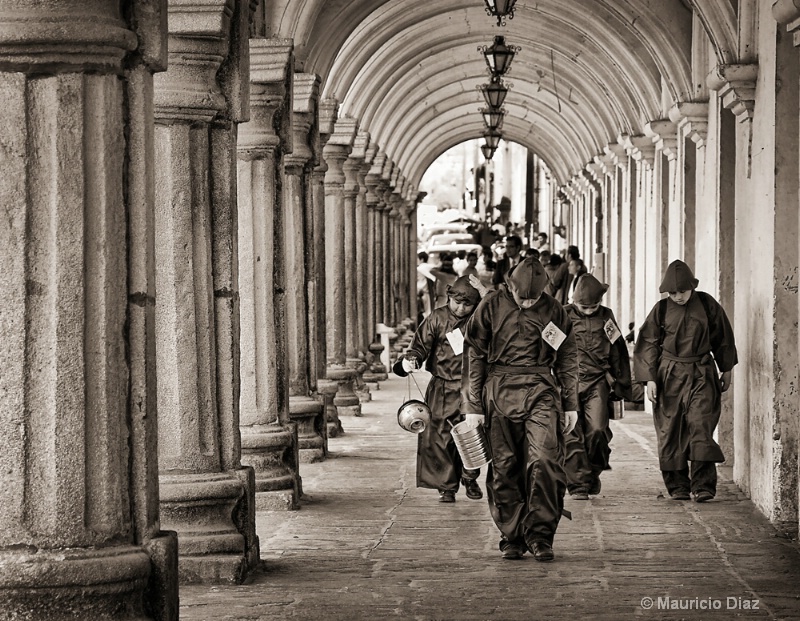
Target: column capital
x=597 y=170
x=199 y=41
x=664 y=134
x=72 y=35
x=692 y=120
x=641 y=149
x=271 y=80
x=616 y=153
x=305 y=122
x=328 y=113
x=787 y=12
x=736 y=86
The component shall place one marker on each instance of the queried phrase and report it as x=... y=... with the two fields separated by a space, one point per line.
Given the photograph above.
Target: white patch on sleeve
x=553 y=335
x=611 y=330
x=456 y=340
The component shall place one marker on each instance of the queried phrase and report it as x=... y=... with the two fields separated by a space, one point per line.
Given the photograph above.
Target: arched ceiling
x=589 y=70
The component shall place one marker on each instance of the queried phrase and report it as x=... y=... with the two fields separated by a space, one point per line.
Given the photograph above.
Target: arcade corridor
x=368 y=545
x=208 y=242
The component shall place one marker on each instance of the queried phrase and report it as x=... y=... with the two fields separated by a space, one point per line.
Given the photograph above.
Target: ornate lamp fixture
x=494 y=93
x=499 y=56
x=493 y=118
x=488 y=152
x=500 y=9
x=492 y=137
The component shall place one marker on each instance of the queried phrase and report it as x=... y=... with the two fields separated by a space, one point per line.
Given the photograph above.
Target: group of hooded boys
x=541 y=377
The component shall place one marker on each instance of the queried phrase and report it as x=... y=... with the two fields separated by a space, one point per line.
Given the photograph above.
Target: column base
x=346 y=400
x=312 y=430
x=377 y=369
x=359 y=384
x=327 y=390
x=199 y=507
x=77 y=583
x=245 y=517
x=272 y=452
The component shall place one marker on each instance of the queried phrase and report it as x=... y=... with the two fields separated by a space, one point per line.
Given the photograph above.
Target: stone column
x=205 y=494
x=79 y=514
x=269 y=438
x=351 y=168
x=374 y=184
x=335 y=153
x=359 y=154
x=304 y=407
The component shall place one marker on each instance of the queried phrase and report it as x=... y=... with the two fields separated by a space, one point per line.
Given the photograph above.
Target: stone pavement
x=367 y=544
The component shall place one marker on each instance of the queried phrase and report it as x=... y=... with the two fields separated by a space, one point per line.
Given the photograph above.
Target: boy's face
x=512 y=249
x=472 y=260
x=460 y=309
x=680 y=297
x=587 y=310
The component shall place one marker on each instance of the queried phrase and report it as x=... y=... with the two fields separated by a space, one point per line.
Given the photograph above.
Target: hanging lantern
x=500 y=9
x=488 y=152
x=499 y=56
x=494 y=93
x=492 y=138
x=493 y=118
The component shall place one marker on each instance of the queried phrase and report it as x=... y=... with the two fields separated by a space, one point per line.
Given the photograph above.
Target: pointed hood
x=678 y=277
x=528 y=278
x=462 y=291
x=589 y=291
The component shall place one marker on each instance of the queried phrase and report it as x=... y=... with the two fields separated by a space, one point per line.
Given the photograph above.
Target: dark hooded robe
x=604 y=374
x=523 y=385
x=438 y=462
x=682 y=359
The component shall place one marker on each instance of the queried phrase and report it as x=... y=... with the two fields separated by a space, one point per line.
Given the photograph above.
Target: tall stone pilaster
x=79 y=514
x=305 y=407
x=335 y=153
x=206 y=495
x=269 y=438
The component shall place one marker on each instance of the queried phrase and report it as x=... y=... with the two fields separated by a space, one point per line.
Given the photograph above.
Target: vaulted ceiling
x=588 y=71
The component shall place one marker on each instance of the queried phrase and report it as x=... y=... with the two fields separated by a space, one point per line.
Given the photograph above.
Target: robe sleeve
x=647 y=352
x=423 y=341
x=476 y=349
x=721 y=336
x=566 y=364
x=620 y=366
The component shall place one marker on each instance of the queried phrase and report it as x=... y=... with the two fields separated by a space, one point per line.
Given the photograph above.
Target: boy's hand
x=473 y=280
x=473 y=420
x=652 y=392
x=725 y=381
x=569 y=422
x=409 y=364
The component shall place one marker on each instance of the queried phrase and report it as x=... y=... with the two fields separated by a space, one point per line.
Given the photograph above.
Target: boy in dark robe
x=685 y=338
x=604 y=373
x=521 y=365
x=439 y=342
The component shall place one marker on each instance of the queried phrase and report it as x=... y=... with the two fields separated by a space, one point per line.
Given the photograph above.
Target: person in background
x=604 y=373
x=684 y=340
x=542 y=245
x=509 y=261
x=471 y=265
x=435 y=342
x=575 y=269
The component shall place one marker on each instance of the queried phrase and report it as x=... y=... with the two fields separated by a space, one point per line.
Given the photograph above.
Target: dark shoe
x=703 y=496
x=542 y=551
x=512 y=552
x=594 y=488
x=472 y=488
x=579 y=494
x=447 y=496
x=680 y=495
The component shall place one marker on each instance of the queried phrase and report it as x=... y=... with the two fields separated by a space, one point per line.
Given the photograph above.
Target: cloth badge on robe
x=553 y=336
x=456 y=340
x=611 y=330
